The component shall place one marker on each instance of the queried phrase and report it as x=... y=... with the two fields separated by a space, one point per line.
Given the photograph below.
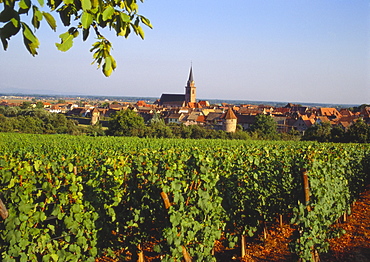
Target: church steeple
x=191 y=78
x=190 y=95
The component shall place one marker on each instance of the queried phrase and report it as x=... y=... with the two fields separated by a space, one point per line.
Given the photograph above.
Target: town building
x=181 y=100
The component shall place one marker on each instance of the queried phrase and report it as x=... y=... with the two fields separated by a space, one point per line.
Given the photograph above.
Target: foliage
x=359 y=132
x=6 y=125
x=265 y=127
x=358 y=108
x=121 y=125
x=36 y=121
x=126 y=123
x=320 y=132
x=337 y=134
x=39 y=105
x=66 y=194
x=25 y=105
x=9 y=111
x=94 y=130
x=293 y=135
x=80 y=16
x=158 y=129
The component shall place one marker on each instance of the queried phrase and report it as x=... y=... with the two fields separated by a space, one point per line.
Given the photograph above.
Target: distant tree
x=93 y=130
x=158 y=129
x=319 y=132
x=6 y=124
x=126 y=123
x=293 y=134
x=215 y=134
x=358 y=108
x=239 y=127
x=156 y=119
x=337 y=134
x=28 y=124
x=35 y=112
x=180 y=130
x=25 y=105
x=37 y=121
x=73 y=128
x=39 y=104
x=359 y=132
x=105 y=105
x=239 y=134
x=61 y=124
x=10 y=110
x=61 y=101
x=197 y=132
x=265 y=127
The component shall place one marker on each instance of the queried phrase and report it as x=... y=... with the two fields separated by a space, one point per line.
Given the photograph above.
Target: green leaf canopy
x=78 y=16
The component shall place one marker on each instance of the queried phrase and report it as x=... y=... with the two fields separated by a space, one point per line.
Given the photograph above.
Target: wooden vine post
x=306 y=190
x=3 y=211
x=243 y=245
x=167 y=204
x=281 y=220
x=265 y=232
x=140 y=254
x=166 y=201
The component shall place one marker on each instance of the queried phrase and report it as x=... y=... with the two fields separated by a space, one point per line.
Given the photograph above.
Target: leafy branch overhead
x=80 y=16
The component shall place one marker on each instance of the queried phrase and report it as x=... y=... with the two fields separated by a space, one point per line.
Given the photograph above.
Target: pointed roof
x=191 y=78
x=230 y=114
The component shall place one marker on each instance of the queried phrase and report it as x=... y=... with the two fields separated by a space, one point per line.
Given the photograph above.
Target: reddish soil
x=353 y=246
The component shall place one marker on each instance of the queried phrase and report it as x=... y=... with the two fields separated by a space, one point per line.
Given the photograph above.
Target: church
x=181 y=100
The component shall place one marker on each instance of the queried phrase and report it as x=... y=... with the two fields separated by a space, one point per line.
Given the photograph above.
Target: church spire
x=190 y=88
x=191 y=78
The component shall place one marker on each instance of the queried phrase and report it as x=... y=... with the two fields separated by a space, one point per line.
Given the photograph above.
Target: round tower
x=230 y=121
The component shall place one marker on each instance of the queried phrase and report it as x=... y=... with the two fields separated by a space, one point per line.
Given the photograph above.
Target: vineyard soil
x=354 y=246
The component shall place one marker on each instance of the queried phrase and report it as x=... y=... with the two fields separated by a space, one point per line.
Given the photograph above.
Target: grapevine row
x=74 y=198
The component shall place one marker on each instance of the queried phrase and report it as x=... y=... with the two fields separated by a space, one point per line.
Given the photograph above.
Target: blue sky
x=265 y=50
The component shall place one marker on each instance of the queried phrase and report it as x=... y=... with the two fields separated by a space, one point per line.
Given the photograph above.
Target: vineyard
x=75 y=198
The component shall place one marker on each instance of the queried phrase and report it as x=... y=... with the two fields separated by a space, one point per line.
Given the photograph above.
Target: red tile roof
x=201 y=118
x=329 y=111
x=230 y=114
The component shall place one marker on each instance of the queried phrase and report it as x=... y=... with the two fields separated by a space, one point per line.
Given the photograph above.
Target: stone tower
x=95 y=116
x=190 y=89
x=230 y=121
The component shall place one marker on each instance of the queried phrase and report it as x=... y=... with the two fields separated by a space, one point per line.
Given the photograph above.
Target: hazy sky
x=266 y=50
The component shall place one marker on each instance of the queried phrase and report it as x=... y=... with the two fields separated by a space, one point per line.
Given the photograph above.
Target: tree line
x=129 y=123
x=358 y=132
x=38 y=121
x=124 y=123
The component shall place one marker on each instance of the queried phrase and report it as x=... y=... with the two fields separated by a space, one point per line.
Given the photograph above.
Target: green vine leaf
x=50 y=20
x=30 y=40
x=86 y=5
x=67 y=39
x=86 y=20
